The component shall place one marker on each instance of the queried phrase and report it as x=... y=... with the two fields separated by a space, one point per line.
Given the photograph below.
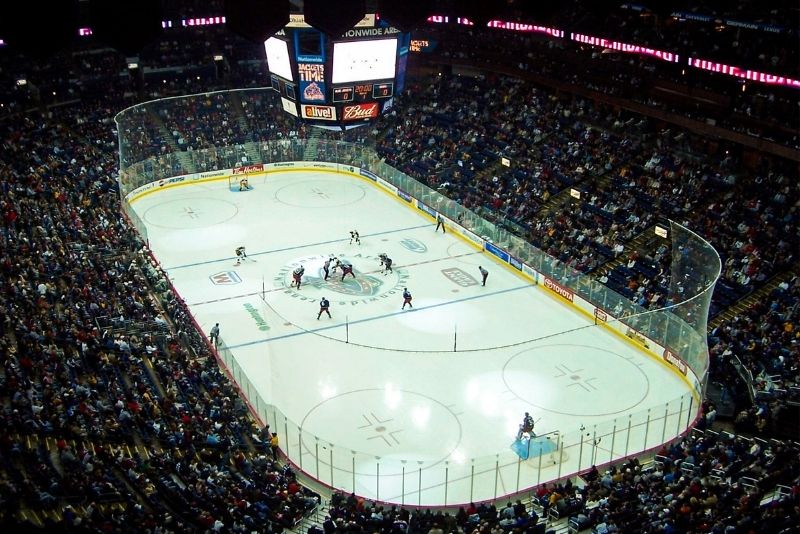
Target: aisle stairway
x=759 y=295
x=184 y=157
x=641 y=243
x=250 y=146
x=310 y=152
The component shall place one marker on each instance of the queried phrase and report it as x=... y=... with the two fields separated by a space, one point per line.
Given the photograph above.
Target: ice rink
x=397 y=404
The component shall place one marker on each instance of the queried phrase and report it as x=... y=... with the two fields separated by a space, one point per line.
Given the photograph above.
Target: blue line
x=293 y=248
x=377 y=317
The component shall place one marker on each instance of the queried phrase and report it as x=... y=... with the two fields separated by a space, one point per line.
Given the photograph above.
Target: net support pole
x=455 y=338
x=346 y=329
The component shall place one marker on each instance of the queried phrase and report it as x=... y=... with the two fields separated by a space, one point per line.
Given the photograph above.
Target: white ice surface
x=385 y=382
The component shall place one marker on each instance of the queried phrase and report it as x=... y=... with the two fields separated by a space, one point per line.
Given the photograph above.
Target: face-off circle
x=320 y=194
x=382 y=422
x=576 y=379
x=190 y=214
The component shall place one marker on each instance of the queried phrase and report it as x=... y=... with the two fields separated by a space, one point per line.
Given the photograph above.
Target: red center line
x=365 y=272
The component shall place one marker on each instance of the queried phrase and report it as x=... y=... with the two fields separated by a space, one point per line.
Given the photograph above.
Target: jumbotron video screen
x=340 y=82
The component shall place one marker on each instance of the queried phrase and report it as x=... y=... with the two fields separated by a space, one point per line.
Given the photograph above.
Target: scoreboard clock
x=342 y=81
x=363 y=92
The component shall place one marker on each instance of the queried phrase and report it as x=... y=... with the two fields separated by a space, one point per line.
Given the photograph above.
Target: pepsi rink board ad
x=337 y=82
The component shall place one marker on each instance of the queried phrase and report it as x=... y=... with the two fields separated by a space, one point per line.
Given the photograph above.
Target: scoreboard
x=340 y=82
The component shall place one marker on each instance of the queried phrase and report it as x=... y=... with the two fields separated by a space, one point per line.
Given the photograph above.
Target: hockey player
x=324 y=304
x=336 y=263
x=347 y=269
x=526 y=427
x=297 y=276
x=484 y=273
x=355 y=237
x=241 y=255
x=406 y=299
x=386 y=261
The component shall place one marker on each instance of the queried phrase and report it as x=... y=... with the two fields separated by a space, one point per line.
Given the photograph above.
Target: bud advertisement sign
x=360 y=112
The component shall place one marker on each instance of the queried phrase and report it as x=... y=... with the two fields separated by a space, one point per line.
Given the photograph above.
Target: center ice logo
x=369 y=284
x=363 y=285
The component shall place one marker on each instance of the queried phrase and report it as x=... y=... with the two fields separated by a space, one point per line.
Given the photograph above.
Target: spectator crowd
x=117 y=416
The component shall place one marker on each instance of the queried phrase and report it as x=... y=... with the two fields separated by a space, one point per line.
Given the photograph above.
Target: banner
x=527 y=269
x=558 y=289
x=471 y=236
x=500 y=253
x=325 y=113
x=387 y=185
x=360 y=111
x=426 y=209
x=366 y=174
x=211 y=174
x=141 y=189
x=624 y=47
x=176 y=179
x=676 y=362
x=753 y=75
x=522 y=27
x=258 y=167
x=600 y=315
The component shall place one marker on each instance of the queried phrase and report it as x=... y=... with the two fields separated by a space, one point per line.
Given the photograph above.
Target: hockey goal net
x=241 y=178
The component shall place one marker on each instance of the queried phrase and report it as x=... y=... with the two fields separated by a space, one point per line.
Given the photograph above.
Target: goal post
x=246 y=173
x=235 y=180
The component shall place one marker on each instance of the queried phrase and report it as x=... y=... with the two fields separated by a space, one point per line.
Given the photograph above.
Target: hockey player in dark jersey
x=324 y=306
x=386 y=261
x=526 y=427
x=297 y=277
x=406 y=299
x=241 y=255
x=347 y=269
x=355 y=237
